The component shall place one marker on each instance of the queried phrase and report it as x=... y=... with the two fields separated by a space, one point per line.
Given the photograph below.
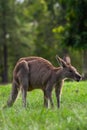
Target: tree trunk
x=85 y=65
x=4 y=32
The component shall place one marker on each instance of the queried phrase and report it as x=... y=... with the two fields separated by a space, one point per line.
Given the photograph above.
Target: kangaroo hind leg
x=24 y=80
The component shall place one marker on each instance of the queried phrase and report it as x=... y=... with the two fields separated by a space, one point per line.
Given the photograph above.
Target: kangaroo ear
x=61 y=61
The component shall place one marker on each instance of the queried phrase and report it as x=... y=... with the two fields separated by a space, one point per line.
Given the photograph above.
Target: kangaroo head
x=68 y=71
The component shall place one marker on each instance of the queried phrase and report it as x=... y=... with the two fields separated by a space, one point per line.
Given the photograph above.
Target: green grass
x=72 y=114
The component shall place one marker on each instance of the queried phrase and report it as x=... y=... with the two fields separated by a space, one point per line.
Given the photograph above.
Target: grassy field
x=71 y=116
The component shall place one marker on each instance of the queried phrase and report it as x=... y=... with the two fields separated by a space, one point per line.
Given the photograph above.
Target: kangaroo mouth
x=78 y=79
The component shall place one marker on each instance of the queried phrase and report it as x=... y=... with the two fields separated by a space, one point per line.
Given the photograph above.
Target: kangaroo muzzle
x=78 y=78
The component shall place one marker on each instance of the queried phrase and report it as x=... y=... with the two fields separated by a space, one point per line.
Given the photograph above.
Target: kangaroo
x=38 y=73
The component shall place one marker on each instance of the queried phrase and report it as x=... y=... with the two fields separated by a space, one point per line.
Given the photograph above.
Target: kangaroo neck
x=60 y=74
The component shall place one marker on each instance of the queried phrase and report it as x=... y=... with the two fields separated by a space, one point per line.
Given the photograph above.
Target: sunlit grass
x=72 y=114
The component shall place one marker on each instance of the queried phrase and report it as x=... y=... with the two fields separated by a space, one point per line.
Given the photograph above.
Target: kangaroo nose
x=79 y=77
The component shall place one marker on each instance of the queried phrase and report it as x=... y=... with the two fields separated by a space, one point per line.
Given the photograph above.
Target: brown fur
x=35 y=72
